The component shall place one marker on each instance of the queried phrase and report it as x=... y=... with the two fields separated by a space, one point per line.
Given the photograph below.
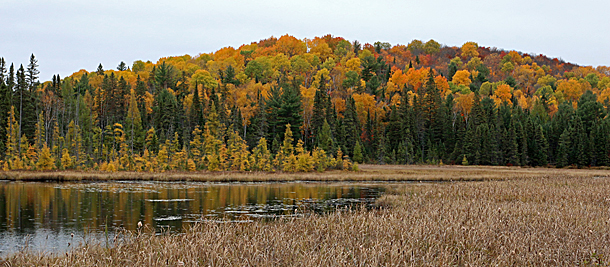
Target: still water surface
x=52 y=217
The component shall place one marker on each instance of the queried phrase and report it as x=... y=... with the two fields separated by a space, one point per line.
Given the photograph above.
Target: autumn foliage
x=290 y=104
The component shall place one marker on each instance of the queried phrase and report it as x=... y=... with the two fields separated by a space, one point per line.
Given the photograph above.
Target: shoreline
x=367 y=173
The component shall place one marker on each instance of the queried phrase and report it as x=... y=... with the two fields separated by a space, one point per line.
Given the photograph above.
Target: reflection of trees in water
x=83 y=206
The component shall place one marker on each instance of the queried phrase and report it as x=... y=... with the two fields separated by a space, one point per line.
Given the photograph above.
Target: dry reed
x=366 y=173
x=554 y=220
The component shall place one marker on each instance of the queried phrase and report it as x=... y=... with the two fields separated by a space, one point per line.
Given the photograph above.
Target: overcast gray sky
x=68 y=35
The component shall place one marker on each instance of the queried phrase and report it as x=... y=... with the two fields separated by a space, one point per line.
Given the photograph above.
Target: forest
x=289 y=104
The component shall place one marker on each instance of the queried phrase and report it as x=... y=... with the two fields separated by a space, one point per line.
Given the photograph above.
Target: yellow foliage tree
x=197 y=148
x=571 y=89
x=469 y=49
x=45 y=160
x=12 y=130
x=261 y=157
x=66 y=160
x=305 y=162
x=162 y=158
x=503 y=94
x=462 y=77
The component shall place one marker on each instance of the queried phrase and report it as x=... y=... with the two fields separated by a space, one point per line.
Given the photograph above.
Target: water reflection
x=49 y=216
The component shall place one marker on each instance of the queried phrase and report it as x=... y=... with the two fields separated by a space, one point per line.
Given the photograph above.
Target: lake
x=53 y=217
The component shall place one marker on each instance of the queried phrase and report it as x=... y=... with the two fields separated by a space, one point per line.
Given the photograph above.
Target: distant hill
x=418 y=103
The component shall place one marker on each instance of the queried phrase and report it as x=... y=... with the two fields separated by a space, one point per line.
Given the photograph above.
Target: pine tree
x=432 y=110
x=601 y=143
x=325 y=140
x=196 y=117
x=134 y=124
x=5 y=107
x=350 y=122
x=358 y=153
x=522 y=143
x=319 y=110
x=100 y=70
x=563 y=149
x=32 y=73
x=272 y=106
x=122 y=66
x=2 y=70
x=290 y=108
x=258 y=126
x=484 y=149
x=540 y=147
x=580 y=143
x=394 y=129
x=511 y=147
x=165 y=111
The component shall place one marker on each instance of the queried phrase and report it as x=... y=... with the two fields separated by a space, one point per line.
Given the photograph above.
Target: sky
x=69 y=35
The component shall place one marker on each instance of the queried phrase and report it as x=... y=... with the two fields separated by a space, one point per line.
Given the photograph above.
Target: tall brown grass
x=554 y=220
x=366 y=173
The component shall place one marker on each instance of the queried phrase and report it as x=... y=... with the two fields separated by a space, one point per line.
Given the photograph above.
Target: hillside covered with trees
x=288 y=104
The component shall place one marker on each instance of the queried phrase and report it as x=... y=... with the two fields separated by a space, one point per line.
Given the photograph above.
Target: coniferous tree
x=563 y=149
x=45 y=160
x=290 y=108
x=601 y=144
x=5 y=107
x=134 y=125
x=261 y=156
x=152 y=141
x=165 y=111
x=394 y=129
x=2 y=70
x=122 y=66
x=537 y=145
x=447 y=118
x=32 y=73
x=80 y=115
x=12 y=143
x=27 y=109
x=522 y=143
x=432 y=110
x=325 y=140
x=579 y=142
x=351 y=126
x=164 y=76
x=319 y=110
x=272 y=107
x=258 y=127
x=511 y=146
x=100 y=70
x=557 y=126
x=358 y=153
x=196 y=114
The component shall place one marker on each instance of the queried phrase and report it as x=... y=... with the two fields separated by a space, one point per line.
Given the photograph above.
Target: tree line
x=302 y=105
